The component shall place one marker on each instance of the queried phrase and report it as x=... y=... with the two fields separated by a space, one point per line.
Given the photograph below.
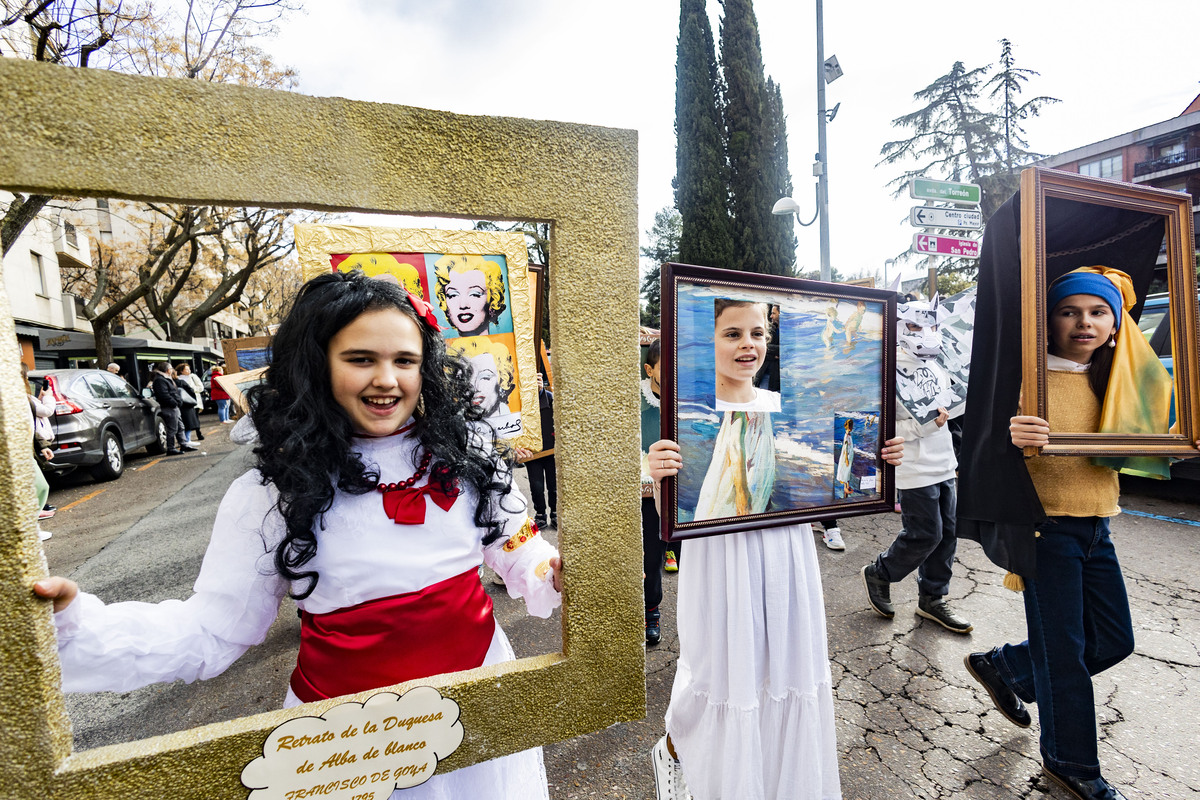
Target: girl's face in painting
x=741 y=346
x=487 y=383
x=466 y=299
x=1079 y=325
x=375 y=370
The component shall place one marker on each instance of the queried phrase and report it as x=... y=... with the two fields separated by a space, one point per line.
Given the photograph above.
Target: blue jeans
x=1079 y=625
x=223 y=410
x=927 y=543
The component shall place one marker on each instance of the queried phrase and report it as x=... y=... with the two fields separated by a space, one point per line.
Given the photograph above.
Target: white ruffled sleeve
x=522 y=559
x=123 y=646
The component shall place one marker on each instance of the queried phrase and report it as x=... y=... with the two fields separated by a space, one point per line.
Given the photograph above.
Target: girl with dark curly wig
x=377 y=493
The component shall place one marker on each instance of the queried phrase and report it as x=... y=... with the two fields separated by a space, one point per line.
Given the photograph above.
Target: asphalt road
x=910 y=723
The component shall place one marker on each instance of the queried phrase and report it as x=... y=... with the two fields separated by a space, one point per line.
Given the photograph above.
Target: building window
x=1107 y=167
x=69 y=235
x=39 y=277
x=1173 y=149
x=103 y=216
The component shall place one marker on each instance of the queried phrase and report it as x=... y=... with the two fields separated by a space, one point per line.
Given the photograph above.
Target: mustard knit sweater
x=1072 y=486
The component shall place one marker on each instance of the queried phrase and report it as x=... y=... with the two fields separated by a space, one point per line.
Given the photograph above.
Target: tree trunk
x=21 y=212
x=103 y=334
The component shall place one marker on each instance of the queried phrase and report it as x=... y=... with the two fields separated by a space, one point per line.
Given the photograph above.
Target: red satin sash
x=445 y=627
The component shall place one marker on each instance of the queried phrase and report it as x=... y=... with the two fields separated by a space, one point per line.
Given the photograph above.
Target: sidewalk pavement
x=911 y=723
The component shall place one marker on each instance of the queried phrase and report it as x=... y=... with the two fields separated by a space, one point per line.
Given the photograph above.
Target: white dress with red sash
x=362 y=556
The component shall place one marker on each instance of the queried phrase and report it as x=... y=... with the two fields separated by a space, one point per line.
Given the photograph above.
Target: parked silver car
x=98 y=418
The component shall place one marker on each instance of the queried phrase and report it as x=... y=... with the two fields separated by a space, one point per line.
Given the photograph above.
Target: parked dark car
x=1155 y=325
x=98 y=418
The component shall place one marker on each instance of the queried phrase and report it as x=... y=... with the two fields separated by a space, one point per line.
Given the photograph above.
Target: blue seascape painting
x=830 y=353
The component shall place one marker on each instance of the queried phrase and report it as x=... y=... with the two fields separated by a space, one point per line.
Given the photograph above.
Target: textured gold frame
x=315 y=243
x=1038 y=184
x=95 y=133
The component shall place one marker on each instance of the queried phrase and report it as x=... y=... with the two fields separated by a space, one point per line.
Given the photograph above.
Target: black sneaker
x=540 y=521
x=879 y=592
x=938 y=610
x=653 y=626
x=1094 y=789
x=1006 y=701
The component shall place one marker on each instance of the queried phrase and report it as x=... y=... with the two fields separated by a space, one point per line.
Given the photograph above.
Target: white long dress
x=751 y=713
x=362 y=555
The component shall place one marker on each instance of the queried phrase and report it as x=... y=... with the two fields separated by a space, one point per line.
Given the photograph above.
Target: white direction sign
x=958 y=218
x=945 y=245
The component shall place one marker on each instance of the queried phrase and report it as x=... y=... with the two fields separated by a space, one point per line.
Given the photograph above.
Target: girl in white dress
x=377 y=494
x=751 y=712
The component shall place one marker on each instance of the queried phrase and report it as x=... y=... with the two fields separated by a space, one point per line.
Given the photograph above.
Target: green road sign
x=946 y=191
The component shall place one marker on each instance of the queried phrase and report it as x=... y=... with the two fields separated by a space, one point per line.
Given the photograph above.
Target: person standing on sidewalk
x=218 y=394
x=185 y=376
x=925 y=483
x=169 y=400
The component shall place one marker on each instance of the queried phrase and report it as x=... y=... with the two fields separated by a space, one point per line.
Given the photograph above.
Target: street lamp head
x=784 y=206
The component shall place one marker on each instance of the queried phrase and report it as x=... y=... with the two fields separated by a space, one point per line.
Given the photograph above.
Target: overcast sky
x=1115 y=66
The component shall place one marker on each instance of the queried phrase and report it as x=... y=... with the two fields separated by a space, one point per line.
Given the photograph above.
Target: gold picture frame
x=1070 y=220
x=411 y=255
x=288 y=150
x=248 y=352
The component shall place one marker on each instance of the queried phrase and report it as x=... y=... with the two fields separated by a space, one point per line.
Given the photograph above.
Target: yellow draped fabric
x=1138 y=398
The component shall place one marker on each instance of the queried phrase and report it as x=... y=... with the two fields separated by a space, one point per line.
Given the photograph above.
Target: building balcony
x=1189 y=156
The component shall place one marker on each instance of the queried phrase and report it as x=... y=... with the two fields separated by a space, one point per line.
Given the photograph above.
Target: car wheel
x=113 y=462
x=159 y=445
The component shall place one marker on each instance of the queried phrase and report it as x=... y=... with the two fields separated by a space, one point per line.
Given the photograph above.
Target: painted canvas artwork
x=855 y=470
x=763 y=456
x=471 y=298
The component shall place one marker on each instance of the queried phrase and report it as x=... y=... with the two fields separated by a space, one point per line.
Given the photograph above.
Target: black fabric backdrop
x=997 y=504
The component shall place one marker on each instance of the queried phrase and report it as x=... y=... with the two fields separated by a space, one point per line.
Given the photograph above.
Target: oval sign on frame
x=360 y=751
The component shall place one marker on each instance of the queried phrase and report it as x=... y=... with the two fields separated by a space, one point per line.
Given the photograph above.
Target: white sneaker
x=189 y=446
x=668 y=774
x=833 y=539
x=43 y=535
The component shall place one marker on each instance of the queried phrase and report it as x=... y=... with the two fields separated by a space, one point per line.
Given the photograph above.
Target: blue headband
x=1086 y=283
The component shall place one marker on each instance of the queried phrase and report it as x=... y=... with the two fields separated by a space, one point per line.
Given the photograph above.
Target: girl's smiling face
x=741 y=346
x=1079 y=325
x=375 y=370
x=466 y=299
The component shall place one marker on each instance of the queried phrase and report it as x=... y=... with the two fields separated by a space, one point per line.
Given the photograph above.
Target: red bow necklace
x=406 y=504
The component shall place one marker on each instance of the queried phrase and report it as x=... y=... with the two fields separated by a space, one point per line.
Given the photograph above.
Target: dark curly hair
x=304 y=437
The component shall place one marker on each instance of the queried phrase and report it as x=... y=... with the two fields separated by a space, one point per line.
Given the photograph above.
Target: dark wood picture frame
x=799 y=301
x=1122 y=210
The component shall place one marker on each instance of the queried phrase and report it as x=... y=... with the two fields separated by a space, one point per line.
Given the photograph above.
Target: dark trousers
x=927 y=542
x=1079 y=625
x=170 y=418
x=654 y=550
x=543 y=481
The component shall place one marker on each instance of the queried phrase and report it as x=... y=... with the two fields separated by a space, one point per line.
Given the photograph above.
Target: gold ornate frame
x=315 y=243
x=83 y=132
x=1037 y=186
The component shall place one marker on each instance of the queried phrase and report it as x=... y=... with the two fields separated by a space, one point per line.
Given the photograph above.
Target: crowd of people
x=366 y=422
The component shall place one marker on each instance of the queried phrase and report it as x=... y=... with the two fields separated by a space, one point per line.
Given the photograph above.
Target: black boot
x=982 y=669
x=653 y=629
x=879 y=592
x=1093 y=789
x=938 y=610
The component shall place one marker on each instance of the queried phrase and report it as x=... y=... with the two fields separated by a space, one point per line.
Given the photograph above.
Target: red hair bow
x=424 y=310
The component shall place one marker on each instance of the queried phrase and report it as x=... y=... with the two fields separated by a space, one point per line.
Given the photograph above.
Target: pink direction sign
x=945 y=245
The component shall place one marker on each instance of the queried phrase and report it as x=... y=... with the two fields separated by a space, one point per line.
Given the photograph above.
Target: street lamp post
x=828 y=70
x=822 y=165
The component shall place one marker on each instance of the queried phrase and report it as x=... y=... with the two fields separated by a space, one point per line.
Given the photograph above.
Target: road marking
x=148 y=466
x=1165 y=519
x=83 y=499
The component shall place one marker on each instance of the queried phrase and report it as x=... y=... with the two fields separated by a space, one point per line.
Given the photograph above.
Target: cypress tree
x=749 y=142
x=783 y=233
x=701 y=178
